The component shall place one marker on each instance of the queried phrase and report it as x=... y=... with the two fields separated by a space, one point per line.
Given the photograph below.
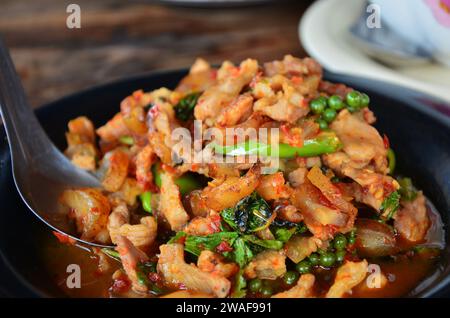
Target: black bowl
x=419 y=134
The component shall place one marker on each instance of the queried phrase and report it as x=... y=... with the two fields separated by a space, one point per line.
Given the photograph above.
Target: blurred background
x=124 y=38
x=406 y=42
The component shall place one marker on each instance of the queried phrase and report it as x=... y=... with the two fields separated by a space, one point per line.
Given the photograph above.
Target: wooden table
x=122 y=38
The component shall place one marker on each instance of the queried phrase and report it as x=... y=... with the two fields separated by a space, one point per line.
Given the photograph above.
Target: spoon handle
x=27 y=139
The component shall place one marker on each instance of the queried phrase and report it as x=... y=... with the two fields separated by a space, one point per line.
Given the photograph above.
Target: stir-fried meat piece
x=298 y=247
x=141 y=235
x=303 y=288
x=90 y=209
x=130 y=257
x=113 y=129
x=80 y=140
x=233 y=189
x=201 y=76
x=203 y=225
x=113 y=170
x=321 y=218
x=156 y=140
x=288 y=105
x=375 y=187
x=412 y=221
x=118 y=217
x=292 y=66
x=334 y=89
x=269 y=264
x=273 y=187
x=144 y=161
x=231 y=80
x=82 y=155
x=173 y=268
x=361 y=142
x=214 y=263
x=288 y=212
x=348 y=276
x=297 y=177
x=238 y=109
x=170 y=202
x=330 y=191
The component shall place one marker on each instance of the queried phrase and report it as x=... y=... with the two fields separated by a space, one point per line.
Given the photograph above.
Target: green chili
x=111 y=253
x=146 y=199
x=325 y=142
x=391 y=160
x=127 y=140
x=186 y=183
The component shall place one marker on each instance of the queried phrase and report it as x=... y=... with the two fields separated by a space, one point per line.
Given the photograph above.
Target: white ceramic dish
x=324 y=33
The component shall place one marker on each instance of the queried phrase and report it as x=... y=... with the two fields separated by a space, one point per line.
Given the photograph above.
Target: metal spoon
x=40 y=171
x=384 y=45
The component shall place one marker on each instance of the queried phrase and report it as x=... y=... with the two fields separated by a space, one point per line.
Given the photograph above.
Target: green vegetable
x=177 y=237
x=186 y=183
x=266 y=291
x=327 y=259
x=314 y=259
x=241 y=254
x=340 y=242
x=391 y=160
x=352 y=237
x=185 y=107
x=354 y=99
x=390 y=205
x=269 y=244
x=340 y=255
x=251 y=214
x=407 y=190
x=322 y=124
x=335 y=102
x=352 y=109
x=325 y=142
x=318 y=105
x=111 y=253
x=127 y=140
x=239 y=286
x=283 y=234
x=329 y=115
x=196 y=244
x=290 y=277
x=142 y=272
x=255 y=285
x=303 y=267
x=146 y=199
x=365 y=100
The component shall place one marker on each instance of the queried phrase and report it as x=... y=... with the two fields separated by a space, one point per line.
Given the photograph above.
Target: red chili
x=62 y=238
x=386 y=142
x=121 y=285
x=224 y=247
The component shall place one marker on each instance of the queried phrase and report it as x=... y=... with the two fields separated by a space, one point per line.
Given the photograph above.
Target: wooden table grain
x=124 y=38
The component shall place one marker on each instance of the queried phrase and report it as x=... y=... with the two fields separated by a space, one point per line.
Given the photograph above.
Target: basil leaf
x=196 y=244
x=185 y=108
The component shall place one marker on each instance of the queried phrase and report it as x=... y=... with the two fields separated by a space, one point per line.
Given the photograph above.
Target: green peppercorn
x=255 y=285
x=303 y=267
x=329 y=115
x=314 y=259
x=365 y=100
x=328 y=259
x=352 y=109
x=335 y=102
x=266 y=291
x=322 y=124
x=318 y=105
x=354 y=99
x=340 y=242
x=340 y=255
x=290 y=277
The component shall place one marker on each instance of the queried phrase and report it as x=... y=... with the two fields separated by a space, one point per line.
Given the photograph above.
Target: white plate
x=324 y=33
